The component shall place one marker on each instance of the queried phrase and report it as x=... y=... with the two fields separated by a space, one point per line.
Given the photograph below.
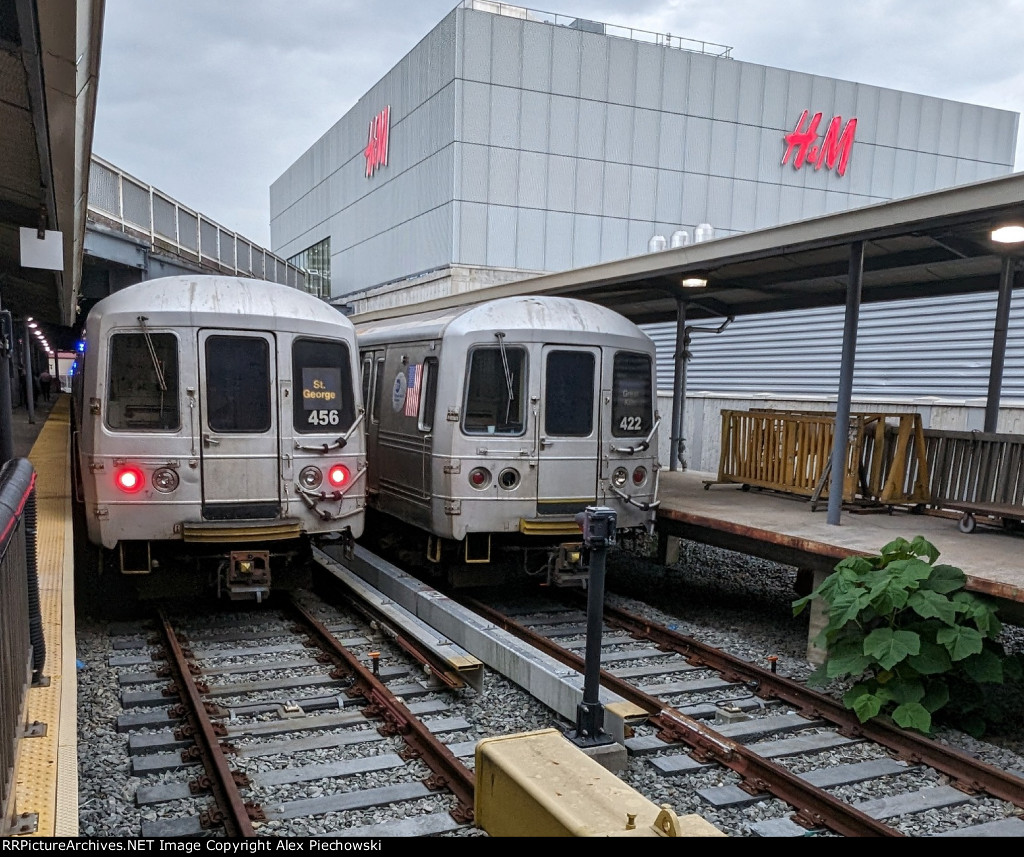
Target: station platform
x=783 y=528
x=46 y=770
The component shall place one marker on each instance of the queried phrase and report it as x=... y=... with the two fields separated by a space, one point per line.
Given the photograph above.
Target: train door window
x=367 y=380
x=142 y=391
x=378 y=389
x=496 y=391
x=238 y=384
x=569 y=394
x=632 y=407
x=322 y=375
x=428 y=398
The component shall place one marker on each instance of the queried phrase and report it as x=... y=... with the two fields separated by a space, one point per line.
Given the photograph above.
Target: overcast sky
x=212 y=100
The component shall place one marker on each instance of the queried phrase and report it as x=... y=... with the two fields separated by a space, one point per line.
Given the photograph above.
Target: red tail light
x=129 y=479
x=338 y=476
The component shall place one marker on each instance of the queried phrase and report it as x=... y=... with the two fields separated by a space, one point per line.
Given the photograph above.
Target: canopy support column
x=995 y=372
x=676 y=442
x=841 y=433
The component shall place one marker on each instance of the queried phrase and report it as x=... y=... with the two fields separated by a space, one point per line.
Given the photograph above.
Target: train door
x=239 y=425
x=569 y=445
x=372 y=381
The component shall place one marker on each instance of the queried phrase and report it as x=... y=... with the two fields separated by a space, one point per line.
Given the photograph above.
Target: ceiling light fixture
x=694 y=282
x=1008 y=234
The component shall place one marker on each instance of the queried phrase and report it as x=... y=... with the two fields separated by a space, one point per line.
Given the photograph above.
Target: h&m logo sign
x=832 y=151
x=376 y=151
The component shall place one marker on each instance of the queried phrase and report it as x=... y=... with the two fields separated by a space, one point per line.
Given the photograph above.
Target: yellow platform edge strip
x=46 y=775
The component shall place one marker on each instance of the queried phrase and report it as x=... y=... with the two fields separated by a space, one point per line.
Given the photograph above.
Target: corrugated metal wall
x=931 y=347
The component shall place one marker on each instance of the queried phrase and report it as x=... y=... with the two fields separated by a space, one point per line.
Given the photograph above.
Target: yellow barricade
x=791 y=451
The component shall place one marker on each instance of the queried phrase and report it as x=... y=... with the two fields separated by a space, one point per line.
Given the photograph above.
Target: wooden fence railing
x=790 y=451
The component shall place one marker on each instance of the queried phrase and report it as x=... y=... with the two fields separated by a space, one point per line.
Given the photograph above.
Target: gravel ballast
x=738 y=603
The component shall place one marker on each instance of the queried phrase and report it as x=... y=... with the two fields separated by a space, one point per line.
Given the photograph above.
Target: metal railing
x=22 y=650
x=615 y=30
x=123 y=202
x=973 y=471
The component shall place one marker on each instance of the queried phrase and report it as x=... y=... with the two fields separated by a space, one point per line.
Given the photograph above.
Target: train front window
x=142 y=392
x=632 y=408
x=569 y=394
x=238 y=384
x=322 y=374
x=496 y=391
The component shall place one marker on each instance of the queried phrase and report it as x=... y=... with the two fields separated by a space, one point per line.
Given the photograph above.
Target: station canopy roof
x=934 y=244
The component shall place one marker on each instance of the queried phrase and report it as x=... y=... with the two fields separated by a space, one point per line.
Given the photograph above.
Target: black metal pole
x=598 y=524
x=995 y=372
x=842 y=429
x=30 y=378
x=675 y=453
x=6 y=429
x=595 y=627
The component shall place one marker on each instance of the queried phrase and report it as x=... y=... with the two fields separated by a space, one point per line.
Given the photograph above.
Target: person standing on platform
x=44 y=384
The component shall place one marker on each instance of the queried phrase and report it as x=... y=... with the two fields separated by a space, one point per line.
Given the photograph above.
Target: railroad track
x=746 y=735
x=239 y=711
x=297 y=729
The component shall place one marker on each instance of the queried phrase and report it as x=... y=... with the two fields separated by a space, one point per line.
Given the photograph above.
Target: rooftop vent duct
x=703 y=232
x=656 y=244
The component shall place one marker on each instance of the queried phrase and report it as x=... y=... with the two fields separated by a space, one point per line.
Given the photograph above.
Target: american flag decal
x=412 y=390
x=376 y=151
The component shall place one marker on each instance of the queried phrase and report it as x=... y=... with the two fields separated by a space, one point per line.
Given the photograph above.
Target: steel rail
x=814 y=806
x=971 y=775
x=448 y=771
x=235 y=814
x=438 y=668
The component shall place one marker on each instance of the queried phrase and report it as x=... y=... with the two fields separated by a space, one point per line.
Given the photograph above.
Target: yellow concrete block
x=541 y=784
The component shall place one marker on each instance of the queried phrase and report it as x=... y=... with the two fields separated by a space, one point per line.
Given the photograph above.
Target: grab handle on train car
x=210 y=441
x=643 y=507
x=340 y=443
x=643 y=445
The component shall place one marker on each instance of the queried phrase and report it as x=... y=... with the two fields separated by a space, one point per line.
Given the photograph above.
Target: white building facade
x=526 y=142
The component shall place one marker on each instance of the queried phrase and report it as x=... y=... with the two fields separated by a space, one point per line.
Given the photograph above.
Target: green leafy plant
x=914 y=644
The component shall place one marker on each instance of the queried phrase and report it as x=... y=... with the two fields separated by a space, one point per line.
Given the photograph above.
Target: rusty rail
x=234 y=813
x=448 y=771
x=814 y=806
x=969 y=773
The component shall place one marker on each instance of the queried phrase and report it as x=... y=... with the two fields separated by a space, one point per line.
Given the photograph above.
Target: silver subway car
x=218 y=427
x=490 y=427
